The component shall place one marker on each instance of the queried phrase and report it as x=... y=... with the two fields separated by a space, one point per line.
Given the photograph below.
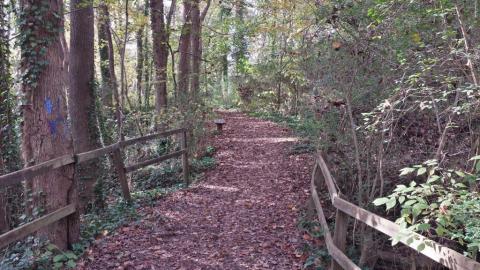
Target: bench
x=219 y=123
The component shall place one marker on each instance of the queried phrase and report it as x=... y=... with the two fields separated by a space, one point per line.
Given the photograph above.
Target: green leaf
x=380 y=201
x=432 y=179
x=58 y=258
x=422 y=171
x=410 y=202
x=71 y=255
x=391 y=203
x=71 y=264
x=424 y=227
x=421 y=247
x=406 y=171
x=401 y=199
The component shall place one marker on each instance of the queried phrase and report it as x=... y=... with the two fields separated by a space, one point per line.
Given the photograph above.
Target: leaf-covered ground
x=243 y=215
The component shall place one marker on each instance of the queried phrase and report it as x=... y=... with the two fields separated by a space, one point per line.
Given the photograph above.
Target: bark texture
x=185 y=59
x=81 y=104
x=160 y=53
x=46 y=131
x=197 y=45
x=107 y=57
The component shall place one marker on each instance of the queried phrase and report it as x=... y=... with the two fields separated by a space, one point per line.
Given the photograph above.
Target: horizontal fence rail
x=29 y=173
x=433 y=250
x=31 y=227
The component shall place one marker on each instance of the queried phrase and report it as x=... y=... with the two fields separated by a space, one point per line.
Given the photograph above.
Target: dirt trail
x=243 y=215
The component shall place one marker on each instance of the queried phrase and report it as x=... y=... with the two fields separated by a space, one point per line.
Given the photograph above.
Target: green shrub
x=443 y=206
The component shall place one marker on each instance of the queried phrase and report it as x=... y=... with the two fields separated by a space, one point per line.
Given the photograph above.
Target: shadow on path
x=242 y=216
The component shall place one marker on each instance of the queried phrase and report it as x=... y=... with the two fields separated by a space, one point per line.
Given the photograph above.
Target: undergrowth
x=150 y=185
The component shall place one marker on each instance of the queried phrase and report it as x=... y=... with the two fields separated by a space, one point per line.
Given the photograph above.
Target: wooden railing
x=29 y=173
x=336 y=245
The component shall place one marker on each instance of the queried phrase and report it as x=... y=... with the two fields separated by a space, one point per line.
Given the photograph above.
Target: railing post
x=185 y=158
x=340 y=236
x=122 y=176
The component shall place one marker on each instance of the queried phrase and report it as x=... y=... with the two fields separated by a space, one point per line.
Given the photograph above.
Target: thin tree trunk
x=123 y=71
x=8 y=144
x=196 y=33
x=160 y=53
x=184 y=61
x=140 y=63
x=81 y=97
x=46 y=134
x=107 y=61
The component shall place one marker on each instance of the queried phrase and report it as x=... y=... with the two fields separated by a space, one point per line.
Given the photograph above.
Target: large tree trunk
x=46 y=133
x=81 y=102
x=184 y=49
x=160 y=53
x=107 y=56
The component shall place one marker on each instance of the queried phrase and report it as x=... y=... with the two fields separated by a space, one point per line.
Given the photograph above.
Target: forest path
x=243 y=215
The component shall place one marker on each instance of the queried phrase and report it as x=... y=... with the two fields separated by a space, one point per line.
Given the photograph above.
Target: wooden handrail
x=151 y=137
x=336 y=253
x=30 y=172
x=153 y=161
x=31 y=227
x=115 y=149
x=433 y=250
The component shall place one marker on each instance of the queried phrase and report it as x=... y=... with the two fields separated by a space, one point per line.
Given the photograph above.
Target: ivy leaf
x=71 y=264
x=58 y=258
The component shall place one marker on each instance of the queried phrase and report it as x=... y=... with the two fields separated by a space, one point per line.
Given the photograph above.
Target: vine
x=38 y=27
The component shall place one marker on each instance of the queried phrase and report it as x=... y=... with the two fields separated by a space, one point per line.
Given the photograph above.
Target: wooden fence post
x=340 y=236
x=122 y=176
x=185 y=159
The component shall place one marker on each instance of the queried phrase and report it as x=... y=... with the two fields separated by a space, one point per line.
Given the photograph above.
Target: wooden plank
x=327 y=175
x=82 y=157
x=185 y=169
x=153 y=161
x=341 y=259
x=31 y=227
x=340 y=235
x=30 y=172
x=151 y=137
x=121 y=173
x=441 y=254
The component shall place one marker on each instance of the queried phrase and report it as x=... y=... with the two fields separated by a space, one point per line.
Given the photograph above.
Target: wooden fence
x=336 y=245
x=29 y=173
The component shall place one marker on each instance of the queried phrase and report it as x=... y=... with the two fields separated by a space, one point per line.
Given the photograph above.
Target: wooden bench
x=219 y=123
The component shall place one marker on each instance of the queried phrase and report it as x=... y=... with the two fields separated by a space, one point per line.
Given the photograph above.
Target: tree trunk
x=140 y=61
x=107 y=57
x=160 y=53
x=196 y=49
x=104 y=26
x=184 y=61
x=46 y=134
x=81 y=97
x=8 y=140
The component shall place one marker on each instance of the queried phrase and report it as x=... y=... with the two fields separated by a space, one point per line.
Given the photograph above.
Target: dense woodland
x=387 y=90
